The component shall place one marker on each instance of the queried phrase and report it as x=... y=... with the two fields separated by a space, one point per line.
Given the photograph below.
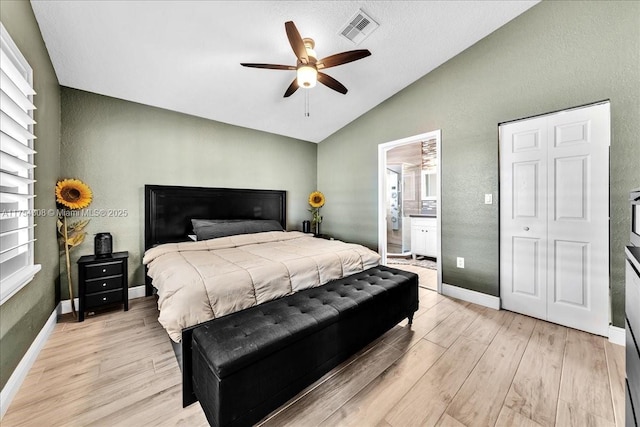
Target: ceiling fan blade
x=342 y=58
x=270 y=66
x=296 y=42
x=332 y=83
x=292 y=88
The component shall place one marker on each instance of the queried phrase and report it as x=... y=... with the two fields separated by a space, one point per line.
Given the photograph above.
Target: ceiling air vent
x=359 y=27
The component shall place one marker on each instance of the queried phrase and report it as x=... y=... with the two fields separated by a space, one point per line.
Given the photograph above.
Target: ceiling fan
x=308 y=66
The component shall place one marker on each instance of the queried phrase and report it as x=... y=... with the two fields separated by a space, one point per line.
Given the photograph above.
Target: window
x=16 y=169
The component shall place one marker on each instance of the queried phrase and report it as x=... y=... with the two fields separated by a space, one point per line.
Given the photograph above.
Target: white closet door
x=578 y=219
x=523 y=217
x=554 y=217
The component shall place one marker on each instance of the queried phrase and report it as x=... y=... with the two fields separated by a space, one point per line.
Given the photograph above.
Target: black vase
x=317 y=228
x=306 y=226
x=103 y=245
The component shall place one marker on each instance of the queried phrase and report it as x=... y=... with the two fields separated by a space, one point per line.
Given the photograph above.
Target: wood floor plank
x=191 y=416
x=448 y=421
x=427 y=278
x=405 y=338
x=119 y=399
x=585 y=381
x=150 y=410
x=445 y=333
x=429 y=298
x=427 y=400
x=325 y=399
x=79 y=403
x=480 y=399
x=534 y=391
x=511 y=418
x=372 y=403
x=616 y=369
x=486 y=325
x=573 y=416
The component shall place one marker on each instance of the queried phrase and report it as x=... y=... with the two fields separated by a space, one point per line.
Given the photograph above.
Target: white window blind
x=16 y=169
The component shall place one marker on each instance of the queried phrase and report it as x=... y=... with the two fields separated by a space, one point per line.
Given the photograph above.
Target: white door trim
x=382 y=167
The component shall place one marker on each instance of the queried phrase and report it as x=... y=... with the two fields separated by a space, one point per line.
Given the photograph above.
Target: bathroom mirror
x=429 y=185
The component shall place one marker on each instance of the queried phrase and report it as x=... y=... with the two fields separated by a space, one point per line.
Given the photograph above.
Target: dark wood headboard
x=170 y=209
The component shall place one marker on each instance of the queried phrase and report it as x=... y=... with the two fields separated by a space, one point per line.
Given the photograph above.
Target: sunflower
x=316 y=199
x=73 y=194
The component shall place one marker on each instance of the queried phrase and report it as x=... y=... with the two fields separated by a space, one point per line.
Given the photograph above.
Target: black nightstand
x=102 y=281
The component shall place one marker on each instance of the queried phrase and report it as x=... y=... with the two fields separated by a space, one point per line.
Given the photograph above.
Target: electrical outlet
x=488 y=199
x=460 y=262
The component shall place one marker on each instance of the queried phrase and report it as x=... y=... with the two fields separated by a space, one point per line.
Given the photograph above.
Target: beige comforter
x=199 y=281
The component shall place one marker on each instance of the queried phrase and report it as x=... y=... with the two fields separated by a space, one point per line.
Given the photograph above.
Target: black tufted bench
x=249 y=363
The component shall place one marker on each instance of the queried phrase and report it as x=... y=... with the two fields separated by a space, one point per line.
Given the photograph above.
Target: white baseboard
x=134 y=292
x=65 y=306
x=471 y=296
x=617 y=335
x=15 y=381
x=137 y=292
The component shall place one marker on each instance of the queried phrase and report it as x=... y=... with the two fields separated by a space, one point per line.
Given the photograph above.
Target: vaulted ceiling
x=185 y=55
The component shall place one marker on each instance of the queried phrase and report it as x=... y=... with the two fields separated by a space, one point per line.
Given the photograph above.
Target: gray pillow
x=207 y=229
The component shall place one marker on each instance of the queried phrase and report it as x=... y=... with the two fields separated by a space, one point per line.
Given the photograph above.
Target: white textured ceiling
x=185 y=55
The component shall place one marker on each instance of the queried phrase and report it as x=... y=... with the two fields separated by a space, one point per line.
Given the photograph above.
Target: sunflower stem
x=66 y=252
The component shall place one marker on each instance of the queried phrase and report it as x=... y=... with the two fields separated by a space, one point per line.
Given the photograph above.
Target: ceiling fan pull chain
x=306 y=103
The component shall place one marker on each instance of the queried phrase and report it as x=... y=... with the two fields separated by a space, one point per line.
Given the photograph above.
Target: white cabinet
x=424 y=237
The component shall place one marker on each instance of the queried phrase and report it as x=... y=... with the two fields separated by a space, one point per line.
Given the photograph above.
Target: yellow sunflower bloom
x=73 y=194
x=316 y=199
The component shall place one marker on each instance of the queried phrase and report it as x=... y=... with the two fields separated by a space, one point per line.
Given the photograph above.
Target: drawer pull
x=104 y=284
x=104 y=298
x=104 y=270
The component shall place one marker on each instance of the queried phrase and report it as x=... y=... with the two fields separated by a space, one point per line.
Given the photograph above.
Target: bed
x=169 y=211
x=201 y=280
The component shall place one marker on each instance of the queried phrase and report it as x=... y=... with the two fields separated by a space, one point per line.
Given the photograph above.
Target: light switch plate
x=460 y=262
x=488 y=199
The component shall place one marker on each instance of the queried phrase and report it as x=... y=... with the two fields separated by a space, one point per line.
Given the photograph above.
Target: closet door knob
x=526 y=229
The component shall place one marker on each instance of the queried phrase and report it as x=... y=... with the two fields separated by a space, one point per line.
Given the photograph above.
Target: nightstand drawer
x=100 y=285
x=102 y=298
x=103 y=269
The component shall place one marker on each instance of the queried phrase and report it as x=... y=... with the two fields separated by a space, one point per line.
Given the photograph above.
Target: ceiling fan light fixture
x=307 y=76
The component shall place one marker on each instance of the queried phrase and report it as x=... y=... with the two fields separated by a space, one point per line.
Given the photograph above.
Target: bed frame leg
x=410 y=319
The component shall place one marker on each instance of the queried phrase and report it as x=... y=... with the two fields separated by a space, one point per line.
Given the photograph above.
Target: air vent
x=359 y=27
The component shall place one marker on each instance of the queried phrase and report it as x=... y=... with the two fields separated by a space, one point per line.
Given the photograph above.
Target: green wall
x=23 y=315
x=117 y=147
x=555 y=56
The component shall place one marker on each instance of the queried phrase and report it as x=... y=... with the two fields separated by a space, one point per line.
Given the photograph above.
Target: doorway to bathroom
x=409 y=206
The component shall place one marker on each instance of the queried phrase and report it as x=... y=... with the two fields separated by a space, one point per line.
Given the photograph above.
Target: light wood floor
x=459 y=364
x=428 y=278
